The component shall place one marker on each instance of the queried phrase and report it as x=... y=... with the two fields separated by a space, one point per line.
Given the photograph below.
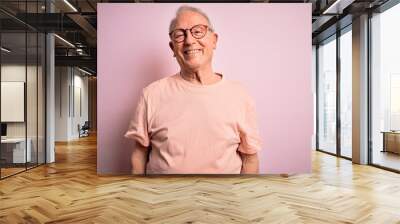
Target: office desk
x=391 y=141
x=15 y=148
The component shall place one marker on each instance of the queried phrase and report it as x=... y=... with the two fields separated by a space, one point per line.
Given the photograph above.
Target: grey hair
x=191 y=9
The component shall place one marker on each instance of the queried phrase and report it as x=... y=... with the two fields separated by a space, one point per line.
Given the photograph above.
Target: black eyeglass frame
x=191 y=32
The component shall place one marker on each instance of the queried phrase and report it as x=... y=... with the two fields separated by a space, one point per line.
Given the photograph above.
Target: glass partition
x=13 y=111
x=22 y=88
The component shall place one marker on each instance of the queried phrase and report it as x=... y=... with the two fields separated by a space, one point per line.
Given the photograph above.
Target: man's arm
x=249 y=163
x=139 y=159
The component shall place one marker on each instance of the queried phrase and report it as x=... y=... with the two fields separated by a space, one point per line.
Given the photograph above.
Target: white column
x=50 y=92
x=50 y=100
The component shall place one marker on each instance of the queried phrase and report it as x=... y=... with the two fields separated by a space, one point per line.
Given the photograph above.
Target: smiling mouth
x=193 y=52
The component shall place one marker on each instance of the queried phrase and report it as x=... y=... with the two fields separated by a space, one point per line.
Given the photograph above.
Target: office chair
x=84 y=130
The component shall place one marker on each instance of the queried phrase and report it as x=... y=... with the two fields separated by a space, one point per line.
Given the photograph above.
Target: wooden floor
x=69 y=191
x=5 y=172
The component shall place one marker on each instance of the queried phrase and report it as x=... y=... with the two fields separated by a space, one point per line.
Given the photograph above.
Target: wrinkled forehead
x=188 y=19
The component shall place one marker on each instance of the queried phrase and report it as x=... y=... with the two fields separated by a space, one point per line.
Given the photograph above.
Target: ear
x=215 y=40
x=171 y=45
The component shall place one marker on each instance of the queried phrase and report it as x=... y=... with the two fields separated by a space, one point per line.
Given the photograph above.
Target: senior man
x=194 y=121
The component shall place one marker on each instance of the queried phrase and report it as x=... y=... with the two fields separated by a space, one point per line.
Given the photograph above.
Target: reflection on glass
x=346 y=94
x=386 y=88
x=327 y=96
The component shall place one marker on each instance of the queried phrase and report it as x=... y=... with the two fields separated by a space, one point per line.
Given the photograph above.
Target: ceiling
x=76 y=22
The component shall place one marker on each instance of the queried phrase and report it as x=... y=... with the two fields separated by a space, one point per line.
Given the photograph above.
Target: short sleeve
x=138 y=126
x=250 y=141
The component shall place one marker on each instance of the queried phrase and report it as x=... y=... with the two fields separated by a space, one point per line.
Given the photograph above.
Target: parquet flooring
x=10 y=171
x=69 y=191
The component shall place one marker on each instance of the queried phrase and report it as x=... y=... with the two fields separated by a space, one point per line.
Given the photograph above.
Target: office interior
x=49 y=78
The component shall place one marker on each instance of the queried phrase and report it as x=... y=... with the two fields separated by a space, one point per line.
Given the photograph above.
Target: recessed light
x=64 y=40
x=5 y=50
x=86 y=72
x=337 y=7
x=70 y=5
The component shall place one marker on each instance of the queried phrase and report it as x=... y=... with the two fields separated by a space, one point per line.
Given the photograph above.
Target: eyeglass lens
x=198 y=32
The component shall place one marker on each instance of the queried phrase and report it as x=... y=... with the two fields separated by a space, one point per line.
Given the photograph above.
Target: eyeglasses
x=197 y=31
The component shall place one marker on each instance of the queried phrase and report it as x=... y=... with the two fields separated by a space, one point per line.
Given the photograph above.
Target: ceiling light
x=5 y=50
x=337 y=7
x=84 y=71
x=70 y=5
x=64 y=40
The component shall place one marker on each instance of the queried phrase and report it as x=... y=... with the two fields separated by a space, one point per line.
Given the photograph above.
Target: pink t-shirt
x=193 y=128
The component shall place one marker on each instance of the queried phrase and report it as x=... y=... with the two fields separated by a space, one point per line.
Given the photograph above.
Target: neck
x=200 y=76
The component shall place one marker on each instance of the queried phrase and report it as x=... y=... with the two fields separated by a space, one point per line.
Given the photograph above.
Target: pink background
x=265 y=46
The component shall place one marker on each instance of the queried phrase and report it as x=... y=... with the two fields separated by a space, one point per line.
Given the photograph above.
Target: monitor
x=3 y=129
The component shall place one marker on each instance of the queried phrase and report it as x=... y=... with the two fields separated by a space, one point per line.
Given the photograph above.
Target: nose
x=189 y=39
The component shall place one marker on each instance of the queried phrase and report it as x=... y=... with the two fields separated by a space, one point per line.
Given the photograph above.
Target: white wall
x=71 y=93
x=10 y=73
x=15 y=72
x=62 y=81
x=80 y=102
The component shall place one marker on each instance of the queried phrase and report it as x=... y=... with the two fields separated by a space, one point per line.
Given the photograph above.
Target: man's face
x=192 y=53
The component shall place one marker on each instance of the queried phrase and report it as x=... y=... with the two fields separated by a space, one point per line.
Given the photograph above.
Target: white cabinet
x=17 y=146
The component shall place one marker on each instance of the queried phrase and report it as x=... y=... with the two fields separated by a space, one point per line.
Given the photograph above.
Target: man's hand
x=249 y=163
x=139 y=159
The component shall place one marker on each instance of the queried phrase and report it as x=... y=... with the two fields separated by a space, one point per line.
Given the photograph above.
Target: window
x=327 y=96
x=346 y=93
x=385 y=88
